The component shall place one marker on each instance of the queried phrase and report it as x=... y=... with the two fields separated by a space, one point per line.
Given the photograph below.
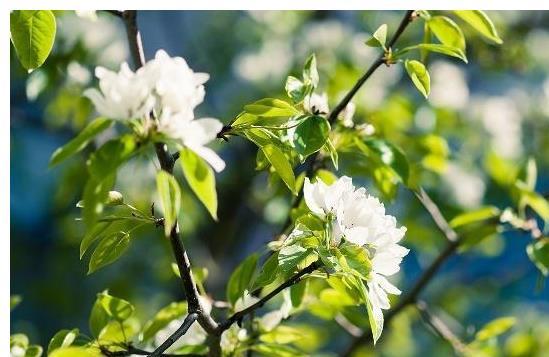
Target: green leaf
x=80 y=141
x=311 y=135
x=106 y=160
x=480 y=22
x=310 y=73
x=162 y=318
x=118 y=309
x=281 y=165
x=77 y=352
x=447 y=31
x=34 y=351
x=390 y=155
x=528 y=174
x=534 y=200
x=240 y=279
x=271 y=107
x=109 y=250
x=298 y=292
x=475 y=216
x=201 y=179
x=63 y=338
x=433 y=47
x=98 y=318
x=419 y=75
x=32 y=34
x=357 y=259
x=268 y=272
x=538 y=252
x=92 y=236
x=119 y=332
x=96 y=193
x=295 y=89
x=244 y=120
x=379 y=37
x=495 y=328
x=170 y=198
x=294 y=257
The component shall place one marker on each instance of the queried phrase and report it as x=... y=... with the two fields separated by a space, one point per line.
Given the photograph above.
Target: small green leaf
x=162 y=318
x=170 y=198
x=475 y=216
x=63 y=338
x=240 y=279
x=32 y=34
x=295 y=89
x=98 y=318
x=118 y=309
x=495 y=328
x=268 y=272
x=447 y=31
x=109 y=250
x=390 y=155
x=419 y=75
x=80 y=141
x=96 y=193
x=34 y=351
x=433 y=47
x=357 y=259
x=201 y=179
x=538 y=252
x=379 y=37
x=480 y=22
x=310 y=73
x=533 y=200
x=244 y=120
x=77 y=352
x=92 y=236
x=298 y=292
x=311 y=135
x=271 y=107
x=281 y=165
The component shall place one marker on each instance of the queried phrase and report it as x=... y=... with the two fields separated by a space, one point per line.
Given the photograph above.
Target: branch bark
x=238 y=316
x=167 y=163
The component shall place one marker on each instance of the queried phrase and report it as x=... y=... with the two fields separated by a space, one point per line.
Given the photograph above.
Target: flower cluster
x=169 y=88
x=360 y=219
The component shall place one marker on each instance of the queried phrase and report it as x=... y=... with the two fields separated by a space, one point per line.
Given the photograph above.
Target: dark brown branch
x=440 y=328
x=187 y=323
x=166 y=163
x=291 y=281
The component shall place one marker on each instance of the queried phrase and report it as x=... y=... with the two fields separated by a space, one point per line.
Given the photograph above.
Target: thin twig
x=291 y=281
x=440 y=328
x=435 y=213
x=187 y=323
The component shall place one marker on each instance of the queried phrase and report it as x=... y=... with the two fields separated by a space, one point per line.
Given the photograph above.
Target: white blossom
x=360 y=219
x=316 y=103
x=122 y=95
x=347 y=114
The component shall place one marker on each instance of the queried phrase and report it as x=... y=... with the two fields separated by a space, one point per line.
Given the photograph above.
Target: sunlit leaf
x=419 y=75
x=447 y=31
x=170 y=198
x=109 y=250
x=201 y=179
x=310 y=73
x=480 y=22
x=271 y=107
x=495 y=328
x=433 y=47
x=281 y=165
x=162 y=318
x=241 y=278
x=477 y=215
x=63 y=338
x=379 y=37
x=32 y=34
x=311 y=135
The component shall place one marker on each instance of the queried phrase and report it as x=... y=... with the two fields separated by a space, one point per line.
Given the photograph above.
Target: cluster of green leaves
x=451 y=42
x=286 y=133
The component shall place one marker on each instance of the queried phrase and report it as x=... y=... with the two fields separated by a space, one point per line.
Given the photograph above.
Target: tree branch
x=291 y=281
x=437 y=216
x=440 y=328
x=166 y=163
x=187 y=323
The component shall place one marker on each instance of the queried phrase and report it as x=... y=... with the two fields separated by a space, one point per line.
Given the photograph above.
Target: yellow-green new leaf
x=480 y=22
x=447 y=31
x=109 y=250
x=201 y=179
x=170 y=198
x=379 y=37
x=434 y=47
x=419 y=75
x=495 y=328
x=32 y=34
x=77 y=352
